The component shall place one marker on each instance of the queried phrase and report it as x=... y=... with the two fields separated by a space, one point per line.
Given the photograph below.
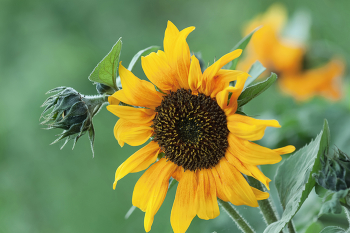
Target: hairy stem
x=267 y=207
x=236 y=217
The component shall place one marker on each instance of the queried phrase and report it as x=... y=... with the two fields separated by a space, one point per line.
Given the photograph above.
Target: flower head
x=287 y=57
x=192 y=120
x=72 y=112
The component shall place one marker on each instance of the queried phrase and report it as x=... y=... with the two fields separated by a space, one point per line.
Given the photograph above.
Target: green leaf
x=255 y=71
x=106 y=71
x=241 y=45
x=294 y=180
x=333 y=229
x=253 y=91
x=314 y=227
x=140 y=53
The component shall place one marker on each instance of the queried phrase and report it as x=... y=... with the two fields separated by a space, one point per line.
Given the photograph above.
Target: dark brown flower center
x=191 y=130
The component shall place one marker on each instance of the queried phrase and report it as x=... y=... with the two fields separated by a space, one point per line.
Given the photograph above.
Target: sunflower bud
x=72 y=112
x=335 y=172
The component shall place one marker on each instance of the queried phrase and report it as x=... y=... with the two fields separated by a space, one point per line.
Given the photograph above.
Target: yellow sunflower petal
x=139 y=161
x=212 y=70
x=223 y=79
x=259 y=195
x=134 y=115
x=178 y=53
x=150 y=190
x=113 y=100
x=285 y=150
x=249 y=128
x=131 y=133
x=247 y=169
x=251 y=153
x=170 y=37
x=195 y=75
x=222 y=96
x=159 y=72
x=219 y=186
x=135 y=91
x=185 y=205
x=208 y=207
x=235 y=187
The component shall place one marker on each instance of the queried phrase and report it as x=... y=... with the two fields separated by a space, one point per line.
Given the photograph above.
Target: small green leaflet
x=332 y=202
x=242 y=44
x=253 y=91
x=255 y=71
x=294 y=180
x=106 y=71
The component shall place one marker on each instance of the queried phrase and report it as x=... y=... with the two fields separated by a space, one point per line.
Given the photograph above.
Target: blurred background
x=45 y=44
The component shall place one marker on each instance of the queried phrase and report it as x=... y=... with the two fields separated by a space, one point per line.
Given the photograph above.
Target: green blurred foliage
x=45 y=44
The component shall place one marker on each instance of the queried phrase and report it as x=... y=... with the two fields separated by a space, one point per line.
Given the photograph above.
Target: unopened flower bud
x=335 y=172
x=72 y=112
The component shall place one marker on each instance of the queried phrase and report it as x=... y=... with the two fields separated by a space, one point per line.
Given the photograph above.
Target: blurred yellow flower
x=206 y=145
x=285 y=56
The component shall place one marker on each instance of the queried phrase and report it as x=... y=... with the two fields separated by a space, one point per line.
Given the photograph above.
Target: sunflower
x=192 y=122
x=276 y=52
x=286 y=56
x=324 y=80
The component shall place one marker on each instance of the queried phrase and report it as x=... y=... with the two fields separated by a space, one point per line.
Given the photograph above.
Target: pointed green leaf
x=106 y=71
x=140 y=53
x=333 y=229
x=242 y=44
x=253 y=91
x=255 y=71
x=294 y=180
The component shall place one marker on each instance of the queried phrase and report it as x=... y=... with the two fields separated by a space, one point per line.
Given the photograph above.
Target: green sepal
x=242 y=44
x=333 y=201
x=294 y=180
x=253 y=91
x=106 y=71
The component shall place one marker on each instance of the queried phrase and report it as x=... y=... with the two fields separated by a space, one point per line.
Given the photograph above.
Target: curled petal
x=249 y=128
x=132 y=134
x=230 y=106
x=212 y=70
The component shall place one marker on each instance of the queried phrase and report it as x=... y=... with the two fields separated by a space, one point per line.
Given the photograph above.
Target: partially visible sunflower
x=206 y=145
x=286 y=56
x=276 y=52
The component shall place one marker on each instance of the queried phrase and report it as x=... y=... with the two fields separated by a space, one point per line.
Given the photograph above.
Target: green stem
x=291 y=227
x=95 y=102
x=267 y=207
x=238 y=219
